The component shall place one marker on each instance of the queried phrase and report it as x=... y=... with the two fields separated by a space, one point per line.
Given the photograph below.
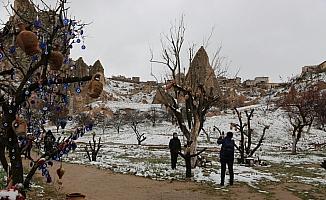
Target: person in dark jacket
x=226 y=156
x=175 y=147
x=49 y=141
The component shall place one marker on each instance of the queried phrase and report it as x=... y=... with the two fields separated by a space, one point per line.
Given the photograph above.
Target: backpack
x=228 y=148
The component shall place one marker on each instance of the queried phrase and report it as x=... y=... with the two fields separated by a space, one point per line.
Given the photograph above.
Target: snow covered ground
x=121 y=153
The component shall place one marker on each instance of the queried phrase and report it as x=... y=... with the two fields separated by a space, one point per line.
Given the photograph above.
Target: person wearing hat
x=175 y=147
x=226 y=156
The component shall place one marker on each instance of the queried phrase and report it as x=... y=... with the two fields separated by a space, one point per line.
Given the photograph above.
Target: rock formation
x=200 y=73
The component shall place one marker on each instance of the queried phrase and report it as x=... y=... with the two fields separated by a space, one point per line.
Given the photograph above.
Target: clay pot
x=60 y=172
x=35 y=102
x=75 y=196
x=27 y=41
x=96 y=85
x=56 y=60
x=19 y=126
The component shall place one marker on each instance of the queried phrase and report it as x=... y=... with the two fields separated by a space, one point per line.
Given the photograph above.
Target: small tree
x=117 y=120
x=93 y=149
x=300 y=107
x=135 y=118
x=246 y=134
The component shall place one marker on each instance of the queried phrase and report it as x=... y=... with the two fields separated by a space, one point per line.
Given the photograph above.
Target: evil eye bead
x=65 y=22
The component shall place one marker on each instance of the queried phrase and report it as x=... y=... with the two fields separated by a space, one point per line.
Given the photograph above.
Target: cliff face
x=201 y=73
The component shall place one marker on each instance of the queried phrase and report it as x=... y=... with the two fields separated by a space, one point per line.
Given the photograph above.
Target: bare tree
x=197 y=97
x=135 y=118
x=94 y=148
x=300 y=107
x=246 y=133
x=118 y=120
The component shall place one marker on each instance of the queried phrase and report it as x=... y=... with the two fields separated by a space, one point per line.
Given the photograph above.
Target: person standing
x=175 y=147
x=226 y=156
x=49 y=141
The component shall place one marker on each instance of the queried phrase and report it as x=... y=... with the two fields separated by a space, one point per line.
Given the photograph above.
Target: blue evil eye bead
x=45 y=108
x=65 y=22
x=81 y=32
x=78 y=40
x=12 y=49
x=66 y=85
x=66 y=61
x=37 y=24
x=34 y=58
x=78 y=90
x=83 y=47
x=1 y=56
x=26 y=92
x=5 y=124
x=70 y=46
x=42 y=45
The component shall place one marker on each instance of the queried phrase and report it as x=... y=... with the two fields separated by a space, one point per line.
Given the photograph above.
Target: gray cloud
x=263 y=38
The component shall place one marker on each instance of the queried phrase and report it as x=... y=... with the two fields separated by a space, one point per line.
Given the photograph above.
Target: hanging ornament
x=48 y=179
x=41 y=162
x=78 y=90
x=78 y=40
x=37 y=23
x=12 y=49
x=19 y=126
x=1 y=56
x=27 y=41
x=66 y=21
x=83 y=47
x=56 y=60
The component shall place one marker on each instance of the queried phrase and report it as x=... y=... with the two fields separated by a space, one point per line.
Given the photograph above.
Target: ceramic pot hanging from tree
x=56 y=59
x=19 y=126
x=27 y=41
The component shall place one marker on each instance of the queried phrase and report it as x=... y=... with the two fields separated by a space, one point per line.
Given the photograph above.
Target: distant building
x=249 y=83
x=135 y=79
x=261 y=80
x=314 y=68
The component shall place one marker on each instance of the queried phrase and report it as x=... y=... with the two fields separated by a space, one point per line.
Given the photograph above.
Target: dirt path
x=99 y=184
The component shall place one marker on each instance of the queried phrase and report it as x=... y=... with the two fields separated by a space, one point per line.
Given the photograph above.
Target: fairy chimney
x=200 y=73
x=97 y=67
x=81 y=68
x=25 y=9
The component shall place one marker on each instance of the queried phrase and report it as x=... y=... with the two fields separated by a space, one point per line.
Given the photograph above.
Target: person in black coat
x=49 y=141
x=175 y=147
x=226 y=156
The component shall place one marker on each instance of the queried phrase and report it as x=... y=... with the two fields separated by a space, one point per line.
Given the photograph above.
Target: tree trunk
x=294 y=144
x=94 y=156
x=194 y=136
x=3 y=159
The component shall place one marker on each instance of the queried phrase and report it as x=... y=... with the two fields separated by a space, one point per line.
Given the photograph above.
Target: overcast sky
x=261 y=37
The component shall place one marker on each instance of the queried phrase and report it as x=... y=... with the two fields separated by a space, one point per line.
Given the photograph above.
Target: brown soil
x=99 y=184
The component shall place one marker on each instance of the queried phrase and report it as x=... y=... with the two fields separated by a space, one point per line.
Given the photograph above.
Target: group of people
x=226 y=154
